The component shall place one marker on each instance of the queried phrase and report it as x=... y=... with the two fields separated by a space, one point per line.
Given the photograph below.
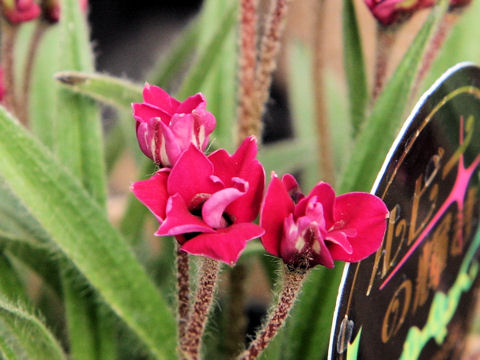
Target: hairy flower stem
x=269 y=48
x=447 y=23
x=183 y=291
x=235 y=319
x=248 y=124
x=199 y=315
x=325 y=157
x=385 y=40
x=40 y=27
x=292 y=283
x=9 y=34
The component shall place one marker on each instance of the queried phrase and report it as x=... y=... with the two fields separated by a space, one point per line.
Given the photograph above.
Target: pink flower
x=389 y=11
x=166 y=127
x=208 y=203
x=319 y=228
x=18 y=11
x=52 y=10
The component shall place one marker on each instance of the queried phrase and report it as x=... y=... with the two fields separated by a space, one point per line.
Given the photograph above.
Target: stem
x=270 y=45
x=292 y=283
x=9 y=33
x=449 y=20
x=325 y=158
x=247 y=122
x=235 y=319
x=183 y=291
x=203 y=301
x=385 y=40
x=38 y=32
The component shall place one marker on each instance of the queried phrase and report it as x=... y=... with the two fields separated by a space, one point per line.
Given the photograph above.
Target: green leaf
x=11 y=287
x=79 y=228
x=354 y=66
x=107 y=89
x=170 y=66
x=79 y=136
x=28 y=332
x=206 y=60
x=286 y=156
x=379 y=131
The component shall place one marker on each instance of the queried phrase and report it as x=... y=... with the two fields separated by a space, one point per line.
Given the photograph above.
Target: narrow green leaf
x=43 y=89
x=11 y=287
x=79 y=136
x=379 y=131
x=170 y=66
x=110 y=90
x=354 y=66
x=79 y=227
x=286 y=156
x=207 y=59
x=30 y=332
x=6 y=350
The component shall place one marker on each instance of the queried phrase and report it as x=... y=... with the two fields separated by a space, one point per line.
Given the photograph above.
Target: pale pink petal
x=173 y=145
x=225 y=244
x=277 y=206
x=366 y=214
x=180 y=221
x=153 y=193
x=191 y=175
x=214 y=207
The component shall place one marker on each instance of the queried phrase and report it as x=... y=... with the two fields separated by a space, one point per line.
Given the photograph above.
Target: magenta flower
x=18 y=11
x=166 y=127
x=208 y=203
x=319 y=228
x=389 y=11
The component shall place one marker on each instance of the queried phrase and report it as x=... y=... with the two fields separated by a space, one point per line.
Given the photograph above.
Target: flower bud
x=388 y=12
x=18 y=11
x=166 y=127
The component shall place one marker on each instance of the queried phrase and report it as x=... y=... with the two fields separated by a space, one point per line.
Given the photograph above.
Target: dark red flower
x=166 y=127
x=389 y=11
x=208 y=203
x=319 y=228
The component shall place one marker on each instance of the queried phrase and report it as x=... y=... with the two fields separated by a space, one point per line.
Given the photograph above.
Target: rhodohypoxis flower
x=389 y=11
x=319 y=228
x=18 y=11
x=208 y=203
x=166 y=127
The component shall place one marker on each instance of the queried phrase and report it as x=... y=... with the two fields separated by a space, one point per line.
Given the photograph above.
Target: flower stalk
x=269 y=48
x=292 y=283
x=9 y=33
x=385 y=39
x=183 y=293
x=38 y=32
x=325 y=157
x=247 y=122
x=198 y=318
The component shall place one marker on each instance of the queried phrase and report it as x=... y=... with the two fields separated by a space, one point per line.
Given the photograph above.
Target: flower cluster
x=209 y=202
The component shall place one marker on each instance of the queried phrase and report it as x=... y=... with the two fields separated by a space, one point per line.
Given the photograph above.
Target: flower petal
x=158 y=97
x=153 y=193
x=173 y=144
x=191 y=103
x=225 y=244
x=277 y=206
x=364 y=213
x=325 y=195
x=191 y=175
x=143 y=112
x=214 y=207
x=179 y=220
